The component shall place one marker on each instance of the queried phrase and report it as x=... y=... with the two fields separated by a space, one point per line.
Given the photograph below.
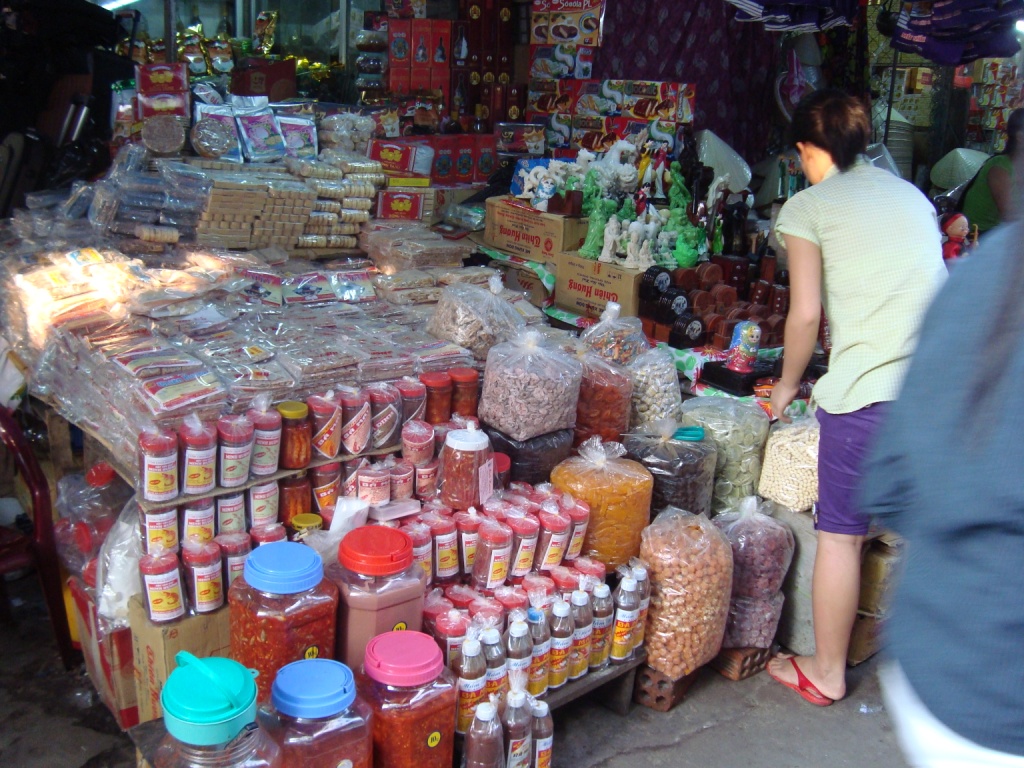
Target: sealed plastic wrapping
x=347 y=132
x=533 y=459
x=529 y=389
x=690 y=567
x=605 y=394
x=790 y=473
x=656 y=393
x=753 y=623
x=762 y=549
x=617 y=339
x=618 y=491
x=393 y=249
x=117 y=573
x=474 y=318
x=739 y=431
x=682 y=462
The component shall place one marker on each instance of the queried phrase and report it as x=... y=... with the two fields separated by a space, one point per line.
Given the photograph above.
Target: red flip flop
x=807 y=690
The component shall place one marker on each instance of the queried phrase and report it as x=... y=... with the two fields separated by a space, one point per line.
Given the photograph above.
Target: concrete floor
x=52 y=718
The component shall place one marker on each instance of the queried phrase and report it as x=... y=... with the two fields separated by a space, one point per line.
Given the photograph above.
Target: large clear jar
x=316 y=718
x=210 y=714
x=413 y=699
x=466 y=468
x=281 y=609
x=382 y=588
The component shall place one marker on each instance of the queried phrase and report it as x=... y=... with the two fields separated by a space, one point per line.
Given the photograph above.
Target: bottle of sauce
x=517 y=727
x=497 y=665
x=604 y=619
x=485 y=747
x=583 y=629
x=561 y=644
x=471 y=674
x=519 y=653
x=543 y=734
x=540 y=661
x=627 y=613
x=643 y=588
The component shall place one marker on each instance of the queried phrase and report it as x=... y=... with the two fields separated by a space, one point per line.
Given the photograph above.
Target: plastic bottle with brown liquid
x=485 y=745
x=471 y=671
x=561 y=644
x=543 y=735
x=497 y=667
x=583 y=631
x=518 y=654
x=643 y=589
x=540 y=665
x=627 y=612
x=517 y=724
x=604 y=621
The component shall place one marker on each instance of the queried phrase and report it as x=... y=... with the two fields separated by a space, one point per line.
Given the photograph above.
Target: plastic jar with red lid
x=325 y=411
x=450 y=630
x=595 y=569
x=414 y=398
x=493 y=553
x=317 y=719
x=326 y=483
x=296 y=435
x=356 y=420
x=234 y=549
x=446 y=547
x=382 y=588
x=434 y=604
x=413 y=699
x=204 y=578
x=534 y=582
x=525 y=533
x=268 y=534
x=567 y=580
x=234 y=454
x=512 y=598
x=553 y=539
x=422 y=548
x=466 y=469
x=417 y=442
x=158 y=465
x=266 y=446
x=495 y=508
x=162 y=586
x=579 y=518
x=386 y=416
x=465 y=391
x=489 y=612
x=468 y=525
x=197 y=442
x=438 y=407
x=525 y=503
x=461 y=596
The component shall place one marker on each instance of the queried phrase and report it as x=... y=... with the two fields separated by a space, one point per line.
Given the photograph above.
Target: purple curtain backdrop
x=732 y=64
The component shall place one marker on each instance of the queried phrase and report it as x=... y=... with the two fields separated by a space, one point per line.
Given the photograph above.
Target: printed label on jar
x=328 y=440
x=350 y=486
x=453 y=650
x=426 y=481
x=401 y=486
x=163 y=593
x=266 y=452
x=264 y=501
x=467 y=545
x=231 y=514
x=497 y=679
x=471 y=693
x=579 y=531
x=355 y=433
x=560 y=649
x=553 y=554
x=159 y=478
x=385 y=425
x=161 y=529
x=234 y=464
x=416 y=414
x=199 y=466
x=207 y=586
x=423 y=556
x=198 y=523
x=446 y=555
x=519 y=752
x=234 y=565
x=539 y=662
x=622 y=635
x=522 y=563
x=326 y=496
x=542 y=752
x=497 y=570
x=375 y=488
x=486 y=475
x=579 y=658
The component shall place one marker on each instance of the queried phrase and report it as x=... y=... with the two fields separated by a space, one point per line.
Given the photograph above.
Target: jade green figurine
x=603 y=209
x=627 y=213
x=591 y=191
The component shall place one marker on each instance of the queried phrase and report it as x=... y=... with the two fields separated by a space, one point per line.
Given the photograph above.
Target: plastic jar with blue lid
x=281 y=610
x=316 y=718
x=210 y=715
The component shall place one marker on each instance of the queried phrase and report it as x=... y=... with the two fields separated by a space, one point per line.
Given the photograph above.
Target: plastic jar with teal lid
x=210 y=715
x=316 y=718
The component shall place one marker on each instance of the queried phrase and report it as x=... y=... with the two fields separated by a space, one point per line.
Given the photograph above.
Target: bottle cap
x=491 y=636
x=469 y=439
x=208 y=701
x=581 y=598
x=100 y=474
x=517 y=699
x=602 y=590
x=291 y=409
x=471 y=647
x=283 y=568
x=540 y=709
x=640 y=573
x=485 y=712
x=519 y=629
x=313 y=688
x=560 y=609
x=628 y=585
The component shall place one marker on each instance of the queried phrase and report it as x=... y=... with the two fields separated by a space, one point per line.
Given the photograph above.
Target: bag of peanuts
x=605 y=394
x=790 y=473
x=682 y=462
x=529 y=389
x=617 y=339
x=690 y=567
x=619 y=494
x=762 y=549
x=656 y=393
x=475 y=318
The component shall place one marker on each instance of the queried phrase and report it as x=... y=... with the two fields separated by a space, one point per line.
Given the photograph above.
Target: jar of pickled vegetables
x=296 y=435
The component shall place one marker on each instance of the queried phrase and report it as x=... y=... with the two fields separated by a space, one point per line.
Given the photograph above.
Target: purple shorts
x=844 y=444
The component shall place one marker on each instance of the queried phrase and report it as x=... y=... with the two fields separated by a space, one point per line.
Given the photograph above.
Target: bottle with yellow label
x=561 y=644
x=604 y=621
x=627 y=613
x=471 y=672
x=583 y=630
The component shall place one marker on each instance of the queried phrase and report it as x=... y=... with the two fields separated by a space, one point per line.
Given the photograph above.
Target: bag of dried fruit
x=682 y=461
x=789 y=475
x=617 y=339
x=690 y=566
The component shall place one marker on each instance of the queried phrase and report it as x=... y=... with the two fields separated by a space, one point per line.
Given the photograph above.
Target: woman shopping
x=864 y=245
x=988 y=199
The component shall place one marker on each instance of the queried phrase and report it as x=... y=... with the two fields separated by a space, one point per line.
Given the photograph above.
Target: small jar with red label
x=422 y=548
x=325 y=412
x=386 y=416
x=204 y=578
x=426 y=480
x=296 y=435
x=579 y=519
x=296 y=497
x=493 y=554
x=414 y=399
x=281 y=610
x=198 y=445
x=449 y=631
x=446 y=547
x=158 y=465
x=374 y=486
x=198 y=520
x=235 y=435
x=350 y=476
x=268 y=534
x=553 y=539
x=438 y=409
x=465 y=391
x=525 y=533
x=159 y=529
x=162 y=586
x=461 y=596
x=466 y=469
x=234 y=549
x=356 y=420
x=231 y=513
x=512 y=598
x=468 y=525
x=266 y=447
x=326 y=482
x=402 y=481
x=417 y=442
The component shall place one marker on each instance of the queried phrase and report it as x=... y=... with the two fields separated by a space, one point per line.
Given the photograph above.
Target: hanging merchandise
x=806 y=16
x=954 y=32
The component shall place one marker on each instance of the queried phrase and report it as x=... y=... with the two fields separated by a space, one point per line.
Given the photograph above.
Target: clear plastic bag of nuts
x=656 y=393
x=789 y=475
x=529 y=388
x=762 y=549
x=682 y=462
x=475 y=318
x=690 y=566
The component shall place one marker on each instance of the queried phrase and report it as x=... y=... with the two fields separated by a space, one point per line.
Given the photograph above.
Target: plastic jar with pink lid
x=381 y=586
x=502 y=470
x=413 y=699
x=438 y=407
x=325 y=411
x=235 y=450
x=465 y=391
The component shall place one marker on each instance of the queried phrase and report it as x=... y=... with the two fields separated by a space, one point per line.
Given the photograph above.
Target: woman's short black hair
x=833 y=121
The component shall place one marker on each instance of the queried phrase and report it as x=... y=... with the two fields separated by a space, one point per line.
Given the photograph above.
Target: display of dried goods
x=790 y=473
x=616 y=339
x=656 y=393
x=474 y=318
x=682 y=462
x=762 y=549
x=605 y=394
x=532 y=460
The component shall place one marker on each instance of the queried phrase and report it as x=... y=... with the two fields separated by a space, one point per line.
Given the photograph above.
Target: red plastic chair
x=18 y=552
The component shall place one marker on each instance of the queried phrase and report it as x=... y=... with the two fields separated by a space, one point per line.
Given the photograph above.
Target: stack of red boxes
x=420 y=57
x=162 y=90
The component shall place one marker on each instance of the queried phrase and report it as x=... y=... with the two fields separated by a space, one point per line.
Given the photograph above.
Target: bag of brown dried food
x=475 y=318
x=762 y=550
x=682 y=461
